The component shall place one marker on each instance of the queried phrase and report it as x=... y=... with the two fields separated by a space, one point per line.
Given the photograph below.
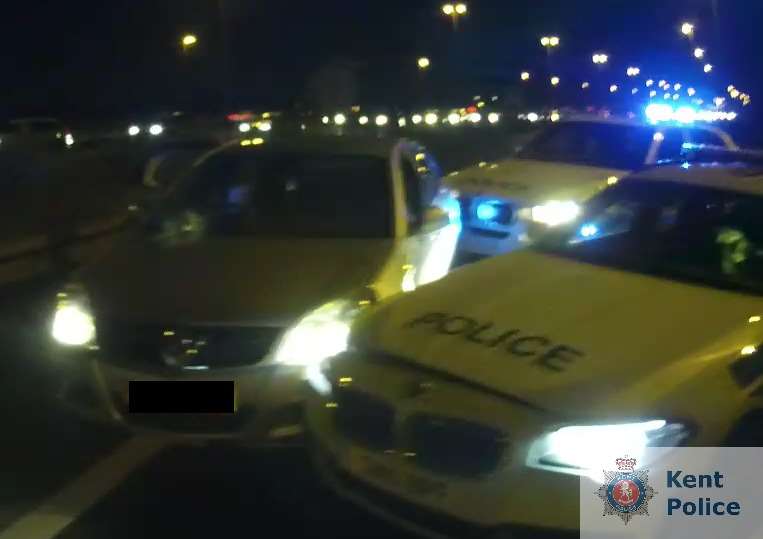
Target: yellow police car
x=473 y=405
x=202 y=319
x=507 y=203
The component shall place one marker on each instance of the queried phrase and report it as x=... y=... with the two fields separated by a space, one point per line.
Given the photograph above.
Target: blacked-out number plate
x=182 y=397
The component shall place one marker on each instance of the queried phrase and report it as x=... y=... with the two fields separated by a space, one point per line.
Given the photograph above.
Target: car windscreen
x=691 y=233
x=288 y=194
x=594 y=144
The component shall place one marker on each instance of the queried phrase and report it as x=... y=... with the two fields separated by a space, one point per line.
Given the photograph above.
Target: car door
x=433 y=219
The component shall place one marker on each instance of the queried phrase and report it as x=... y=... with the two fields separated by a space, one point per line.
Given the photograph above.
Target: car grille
x=454 y=446
x=185 y=347
x=365 y=419
x=444 y=445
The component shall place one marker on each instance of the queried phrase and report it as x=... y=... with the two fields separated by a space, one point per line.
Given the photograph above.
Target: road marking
x=64 y=507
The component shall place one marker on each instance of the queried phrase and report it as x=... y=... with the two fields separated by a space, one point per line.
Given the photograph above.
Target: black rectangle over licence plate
x=182 y=397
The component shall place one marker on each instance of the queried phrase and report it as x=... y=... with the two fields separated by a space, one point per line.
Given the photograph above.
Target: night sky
x=116 y=57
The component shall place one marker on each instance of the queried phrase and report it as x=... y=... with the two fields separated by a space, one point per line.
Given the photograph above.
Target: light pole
x=454 y=11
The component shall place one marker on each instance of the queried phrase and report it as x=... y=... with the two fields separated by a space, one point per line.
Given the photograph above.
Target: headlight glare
x=555 y=212
x=318 y=335
x=588 y=449
x=73 y=325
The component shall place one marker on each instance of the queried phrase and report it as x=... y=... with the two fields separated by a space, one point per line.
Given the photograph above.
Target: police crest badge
x=626 y=492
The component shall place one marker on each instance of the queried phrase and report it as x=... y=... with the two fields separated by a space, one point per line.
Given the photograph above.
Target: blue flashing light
x=685 y=115
x=658 y=112
x=487 y=210
x=589 y=230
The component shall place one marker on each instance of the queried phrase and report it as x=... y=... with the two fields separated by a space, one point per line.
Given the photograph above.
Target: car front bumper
x=516 y=502
x=269 y=400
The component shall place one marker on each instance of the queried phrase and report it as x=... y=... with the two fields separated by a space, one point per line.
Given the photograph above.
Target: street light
x=649 y=82
x=708 y=68
x=632 y=71
x=455 y=11
x=188 y=40
x=699 y=53
x=554 y=81
x=585 y=85
x=613 y=88
x=549 y=42
x=600 y=58
x=687 y=29
x=423 y=62
x=524 y=75
x=381 y=120
x=340 y=119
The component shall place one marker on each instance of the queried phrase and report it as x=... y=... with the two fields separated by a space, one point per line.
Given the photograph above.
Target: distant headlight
x=69 y=139
x=318 y=335
x=73 y=324
x=553 y=212
x=133 y=130
x=588 y=449
x=156 y=129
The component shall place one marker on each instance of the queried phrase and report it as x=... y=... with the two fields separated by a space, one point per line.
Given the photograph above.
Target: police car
x=473 y=405
x=250 y=271
x=507 y=203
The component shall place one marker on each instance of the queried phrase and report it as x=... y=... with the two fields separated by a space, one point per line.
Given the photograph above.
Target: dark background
x=117 y=57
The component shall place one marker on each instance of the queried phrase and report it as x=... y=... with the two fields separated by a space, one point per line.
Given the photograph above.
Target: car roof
x=341 y=145
x=739 y=176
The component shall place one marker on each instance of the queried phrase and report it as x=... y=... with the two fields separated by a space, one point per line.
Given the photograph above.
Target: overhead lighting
x=585 y=85
x=524 y=75
x=708 y=68
x=699 y=53
x=340 y=119
x=363 y=120
x=381 y=120
x=430 y=118
x=133 y=130
x=554 y=81
x=687 y=29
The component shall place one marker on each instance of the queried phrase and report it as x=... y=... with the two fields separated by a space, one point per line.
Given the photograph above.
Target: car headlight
x=73 y=323
x=588 y=449
x=320 y=334
x=553 y=212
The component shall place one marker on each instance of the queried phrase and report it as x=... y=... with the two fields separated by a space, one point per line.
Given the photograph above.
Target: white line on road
x=64 y=507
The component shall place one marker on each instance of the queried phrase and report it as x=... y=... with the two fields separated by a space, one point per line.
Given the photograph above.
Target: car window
x=671 y=144
x=678 y=231
x=288 y=194
x=589 y=143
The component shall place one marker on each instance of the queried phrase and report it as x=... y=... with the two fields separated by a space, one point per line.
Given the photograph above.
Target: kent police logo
x=626 y=492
